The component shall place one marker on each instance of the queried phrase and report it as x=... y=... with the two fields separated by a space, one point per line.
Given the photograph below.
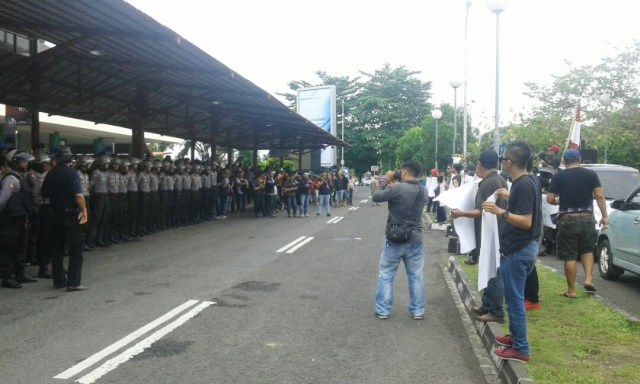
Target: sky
x=272 y=42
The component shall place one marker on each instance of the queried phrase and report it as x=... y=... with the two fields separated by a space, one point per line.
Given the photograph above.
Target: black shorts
x=577 y=235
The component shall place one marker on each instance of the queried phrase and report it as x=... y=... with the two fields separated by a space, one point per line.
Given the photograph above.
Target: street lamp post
x=466 y=82
x=436 y=114
x=342 y=160
x=605 y=100
x=455 y=84
x=497 y=6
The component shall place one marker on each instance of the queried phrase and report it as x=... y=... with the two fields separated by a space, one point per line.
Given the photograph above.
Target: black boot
x=45 y=273
x=24 y=278
x=10 y=283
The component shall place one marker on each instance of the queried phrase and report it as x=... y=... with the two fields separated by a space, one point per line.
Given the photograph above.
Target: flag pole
x=567 y=144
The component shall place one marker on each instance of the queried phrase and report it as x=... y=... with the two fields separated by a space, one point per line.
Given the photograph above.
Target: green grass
x=576 y=340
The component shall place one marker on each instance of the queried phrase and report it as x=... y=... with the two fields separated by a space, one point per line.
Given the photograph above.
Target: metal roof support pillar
x=255 y=158
x=140 y=109
x=230 y=156
x=299 y=158
x=193 y=149
x=34 y=109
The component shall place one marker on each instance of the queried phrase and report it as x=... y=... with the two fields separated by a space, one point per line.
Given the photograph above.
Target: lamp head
x=605 y=99
x=436 y=114
x=455 y=83
x=496 y=6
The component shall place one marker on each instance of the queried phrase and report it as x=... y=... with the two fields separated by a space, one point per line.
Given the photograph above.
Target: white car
x=366 y=181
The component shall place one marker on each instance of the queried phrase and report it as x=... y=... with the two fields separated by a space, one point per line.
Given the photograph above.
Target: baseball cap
x=489 y=159
x=554 y=148
x=571 y=156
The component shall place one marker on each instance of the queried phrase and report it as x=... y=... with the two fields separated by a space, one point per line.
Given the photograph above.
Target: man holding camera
x=406 y=200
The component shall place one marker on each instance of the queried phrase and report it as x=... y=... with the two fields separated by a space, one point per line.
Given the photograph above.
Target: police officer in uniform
x=144 y=201
x=196 y=193
x=207 y=196
x=67 y=212
x=114 y=203
x=132 y=199
x=121 y=228
x=14 y=211
x=99 y=203
x=154 y=186
x=84 y=164
x=186 y=195
x=177 y=195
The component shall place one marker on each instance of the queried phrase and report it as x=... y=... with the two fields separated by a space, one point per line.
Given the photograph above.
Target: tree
x=391 y=101
x=612 y=127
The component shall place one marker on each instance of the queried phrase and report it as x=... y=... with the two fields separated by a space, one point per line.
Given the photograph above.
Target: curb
x=508 y=372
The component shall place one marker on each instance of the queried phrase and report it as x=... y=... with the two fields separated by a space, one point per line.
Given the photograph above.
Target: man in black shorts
x=575 y=188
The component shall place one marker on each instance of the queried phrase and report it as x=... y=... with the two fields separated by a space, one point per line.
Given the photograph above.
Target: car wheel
x=607 y=270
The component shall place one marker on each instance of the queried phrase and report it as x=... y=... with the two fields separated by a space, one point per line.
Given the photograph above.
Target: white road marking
x=335 y=220
x=354 y=208
x=291 y=244
x=308 y=239
x=113 y=363
x=364 y=201
x=86 y=363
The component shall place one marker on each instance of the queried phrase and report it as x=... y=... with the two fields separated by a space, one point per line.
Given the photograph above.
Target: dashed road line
x=354 y=208
x=295 y=244
x=335 y=219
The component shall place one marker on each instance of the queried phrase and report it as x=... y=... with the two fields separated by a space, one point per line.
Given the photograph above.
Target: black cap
x=488 y=159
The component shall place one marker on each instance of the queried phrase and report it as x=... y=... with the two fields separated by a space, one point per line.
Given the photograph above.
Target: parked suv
x=619 y=244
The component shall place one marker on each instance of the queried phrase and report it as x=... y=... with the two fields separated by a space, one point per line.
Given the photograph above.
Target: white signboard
x=318 y=105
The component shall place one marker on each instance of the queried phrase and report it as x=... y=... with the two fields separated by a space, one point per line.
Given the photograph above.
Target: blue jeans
x=493 y=296
x=514 y=269
x=291 y=204
x=339 y=196
x=304 y=204
x=324 y=201
x=412 y=255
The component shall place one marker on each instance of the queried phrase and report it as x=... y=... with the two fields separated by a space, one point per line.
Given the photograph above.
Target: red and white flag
x=574 y=133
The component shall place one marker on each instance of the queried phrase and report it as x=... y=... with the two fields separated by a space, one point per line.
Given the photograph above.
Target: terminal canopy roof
x=113 y=64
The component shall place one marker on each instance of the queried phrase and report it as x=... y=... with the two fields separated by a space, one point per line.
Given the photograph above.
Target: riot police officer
x=83 y=166
x=99 y=203
x=14 y=211
x=114 y=203
x=67 y=212
x=132 y=199
x=144 y=201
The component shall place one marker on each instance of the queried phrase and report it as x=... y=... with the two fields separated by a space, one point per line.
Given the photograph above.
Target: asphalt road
x=299 y=317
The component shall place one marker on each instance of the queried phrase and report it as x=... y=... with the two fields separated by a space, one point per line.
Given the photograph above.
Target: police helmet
x=44 y=158
x=166 y=164
x=126 y=162
x=116 y=161
x=16 y=156
x=145 y=165
x=157 y=164
x=104 y=160
x=86 y=161
x=135 y=161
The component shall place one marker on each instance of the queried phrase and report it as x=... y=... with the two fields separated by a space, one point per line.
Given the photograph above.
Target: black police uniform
x=61 y=186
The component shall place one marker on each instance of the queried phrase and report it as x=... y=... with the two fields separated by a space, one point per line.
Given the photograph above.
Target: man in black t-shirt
x=486 y=168
x=518 y=244
x=575 y=188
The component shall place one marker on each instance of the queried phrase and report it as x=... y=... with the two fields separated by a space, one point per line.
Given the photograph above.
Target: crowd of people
x=127 y=198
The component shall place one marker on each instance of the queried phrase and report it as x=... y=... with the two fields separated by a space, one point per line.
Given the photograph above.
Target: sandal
x=565 y=294
x=590 y=288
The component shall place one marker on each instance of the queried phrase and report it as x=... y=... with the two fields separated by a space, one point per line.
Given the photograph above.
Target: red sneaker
x=505 y=341
x=529 y=306
x=511 y=354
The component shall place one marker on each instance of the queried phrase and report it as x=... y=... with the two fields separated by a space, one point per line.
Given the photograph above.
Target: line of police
x=126 y=199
